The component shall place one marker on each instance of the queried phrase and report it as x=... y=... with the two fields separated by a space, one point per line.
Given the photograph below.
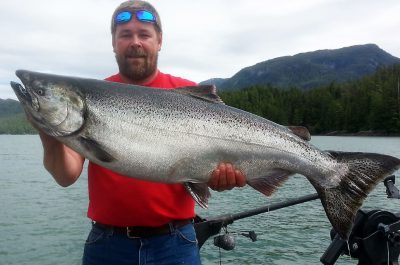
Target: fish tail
x=342 y=201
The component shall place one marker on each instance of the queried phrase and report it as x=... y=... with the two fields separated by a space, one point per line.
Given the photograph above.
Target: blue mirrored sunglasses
x=141 y=15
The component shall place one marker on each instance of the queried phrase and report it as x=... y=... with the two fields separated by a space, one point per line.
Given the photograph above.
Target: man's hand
x=226 y=177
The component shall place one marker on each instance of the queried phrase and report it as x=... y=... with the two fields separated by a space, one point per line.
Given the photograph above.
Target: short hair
x=135 y=5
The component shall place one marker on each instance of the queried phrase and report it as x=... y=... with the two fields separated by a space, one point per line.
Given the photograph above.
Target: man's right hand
x=226 y=177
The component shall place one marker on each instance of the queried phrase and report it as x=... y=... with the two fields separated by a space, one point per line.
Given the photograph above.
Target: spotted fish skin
x=180 y=136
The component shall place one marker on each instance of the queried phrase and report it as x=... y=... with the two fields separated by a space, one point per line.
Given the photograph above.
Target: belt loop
x=171 y=227
x=128 y=233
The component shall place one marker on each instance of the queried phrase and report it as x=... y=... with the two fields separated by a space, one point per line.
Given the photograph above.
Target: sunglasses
x=141 y=15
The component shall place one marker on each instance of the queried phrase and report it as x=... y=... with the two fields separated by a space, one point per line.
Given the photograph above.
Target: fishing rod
x=205 y=228
x=374 y=240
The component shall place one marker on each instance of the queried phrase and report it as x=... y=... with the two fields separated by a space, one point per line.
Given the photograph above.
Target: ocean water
x=43 y=223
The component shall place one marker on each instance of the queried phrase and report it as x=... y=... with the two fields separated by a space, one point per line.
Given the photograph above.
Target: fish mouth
x=24 y=95
x=20 y=91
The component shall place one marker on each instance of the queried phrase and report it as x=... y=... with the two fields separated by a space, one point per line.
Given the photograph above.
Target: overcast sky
x=202 y=39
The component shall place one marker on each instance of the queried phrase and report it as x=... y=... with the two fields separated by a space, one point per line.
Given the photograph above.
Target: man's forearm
x=64 y=164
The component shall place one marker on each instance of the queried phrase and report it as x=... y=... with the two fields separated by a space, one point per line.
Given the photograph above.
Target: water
x=43 y=223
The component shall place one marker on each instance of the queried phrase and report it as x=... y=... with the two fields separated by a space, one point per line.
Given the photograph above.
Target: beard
x=136 y=64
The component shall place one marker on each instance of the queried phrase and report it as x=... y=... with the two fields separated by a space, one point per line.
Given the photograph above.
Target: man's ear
x=159 y=41
x=113 y=42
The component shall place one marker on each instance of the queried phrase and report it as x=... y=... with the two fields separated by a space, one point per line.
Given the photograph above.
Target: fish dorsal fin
x=205 y=92
x=301 y=132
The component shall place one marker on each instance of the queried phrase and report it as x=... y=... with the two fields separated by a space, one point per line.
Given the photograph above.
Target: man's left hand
x=226 y=177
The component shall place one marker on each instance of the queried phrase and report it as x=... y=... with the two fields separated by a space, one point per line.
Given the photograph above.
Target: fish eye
x=40 y=92
x=38 y=88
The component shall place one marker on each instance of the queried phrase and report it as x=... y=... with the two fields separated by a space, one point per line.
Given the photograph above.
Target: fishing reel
x=375 y=238
x=227 y=241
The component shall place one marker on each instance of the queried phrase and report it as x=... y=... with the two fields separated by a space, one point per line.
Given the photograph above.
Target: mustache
x=135 y=53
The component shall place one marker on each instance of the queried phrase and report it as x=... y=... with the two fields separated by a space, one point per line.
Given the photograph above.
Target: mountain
x=214 y=81
x=9 y=107
x=311 y=69
x=13 y=119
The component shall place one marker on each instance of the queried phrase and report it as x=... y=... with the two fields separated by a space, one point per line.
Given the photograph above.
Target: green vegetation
x=9 y=107
x=368 y=104
x=16 y=124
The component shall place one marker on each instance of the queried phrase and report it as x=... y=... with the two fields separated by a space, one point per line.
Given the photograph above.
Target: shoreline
x=361 y=133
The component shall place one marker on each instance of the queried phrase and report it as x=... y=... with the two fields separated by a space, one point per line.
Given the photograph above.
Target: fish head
x=51 y=104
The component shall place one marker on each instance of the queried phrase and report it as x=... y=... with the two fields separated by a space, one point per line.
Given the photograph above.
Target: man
x=135 y=221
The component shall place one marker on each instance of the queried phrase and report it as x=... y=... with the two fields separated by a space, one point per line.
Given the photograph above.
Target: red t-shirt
x=118 y=200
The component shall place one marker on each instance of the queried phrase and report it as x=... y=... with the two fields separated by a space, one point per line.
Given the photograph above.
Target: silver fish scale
x=172 y=131
x=170 y=137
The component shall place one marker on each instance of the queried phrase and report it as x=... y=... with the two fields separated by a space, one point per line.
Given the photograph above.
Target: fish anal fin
x=204 y=92
x=93 y=147
x=199 y=192
x=271 y=182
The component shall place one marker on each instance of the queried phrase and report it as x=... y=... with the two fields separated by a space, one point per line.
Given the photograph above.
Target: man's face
x=136 y=45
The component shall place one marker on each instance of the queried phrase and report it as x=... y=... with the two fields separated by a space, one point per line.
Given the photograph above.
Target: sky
x=201 y=39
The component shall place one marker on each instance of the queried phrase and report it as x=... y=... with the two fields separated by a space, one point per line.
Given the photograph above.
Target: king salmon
x=181 y=135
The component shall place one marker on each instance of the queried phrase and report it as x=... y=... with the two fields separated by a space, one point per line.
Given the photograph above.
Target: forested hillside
x=369 y=104
x=310 y=69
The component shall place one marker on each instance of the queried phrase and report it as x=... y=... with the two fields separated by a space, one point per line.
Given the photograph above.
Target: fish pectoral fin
x=269 y=183
x=205 y=92
x=93 y=147
x=200 y=193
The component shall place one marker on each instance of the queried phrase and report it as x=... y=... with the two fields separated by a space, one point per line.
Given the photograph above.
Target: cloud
x=202 y=39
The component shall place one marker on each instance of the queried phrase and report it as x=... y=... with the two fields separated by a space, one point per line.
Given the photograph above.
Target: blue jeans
x=104 y=246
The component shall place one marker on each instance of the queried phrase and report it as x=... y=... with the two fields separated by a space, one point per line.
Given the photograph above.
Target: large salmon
x=180 y=135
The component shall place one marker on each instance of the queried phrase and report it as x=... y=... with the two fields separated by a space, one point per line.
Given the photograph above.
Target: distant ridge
x=311 y=69
x=9 y=107
x=214 y=81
